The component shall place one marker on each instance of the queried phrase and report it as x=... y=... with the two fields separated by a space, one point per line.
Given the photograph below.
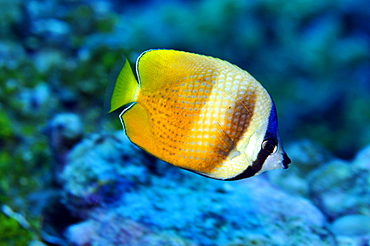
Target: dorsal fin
x=122 y=89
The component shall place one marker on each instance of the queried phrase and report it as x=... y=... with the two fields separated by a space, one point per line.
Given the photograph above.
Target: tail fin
x=123 y=90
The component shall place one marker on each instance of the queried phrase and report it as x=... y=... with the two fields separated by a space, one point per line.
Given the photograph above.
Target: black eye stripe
x=254 y=168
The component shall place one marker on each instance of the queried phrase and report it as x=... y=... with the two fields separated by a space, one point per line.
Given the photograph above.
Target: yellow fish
x=199 y=113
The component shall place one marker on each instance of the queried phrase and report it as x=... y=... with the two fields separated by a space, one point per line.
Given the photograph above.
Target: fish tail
x=123 y=89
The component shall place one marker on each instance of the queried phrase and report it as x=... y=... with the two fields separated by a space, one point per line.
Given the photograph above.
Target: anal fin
x=136 y=122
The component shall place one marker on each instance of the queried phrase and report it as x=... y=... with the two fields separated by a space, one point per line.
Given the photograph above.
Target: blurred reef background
x=69 y=176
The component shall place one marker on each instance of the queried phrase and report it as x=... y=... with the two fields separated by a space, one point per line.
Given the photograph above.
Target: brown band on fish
x=271 y=133
x=242 y=112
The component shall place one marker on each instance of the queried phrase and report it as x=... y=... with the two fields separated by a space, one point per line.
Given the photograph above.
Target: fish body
x=199 y=113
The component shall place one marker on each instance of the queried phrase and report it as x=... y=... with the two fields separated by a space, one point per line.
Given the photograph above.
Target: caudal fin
x=123 y=90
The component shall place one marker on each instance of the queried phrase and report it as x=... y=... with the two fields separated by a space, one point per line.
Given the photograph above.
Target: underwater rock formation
x=306 y=156
x=113 y=229
x=63 y=131
x=342 y=188
x=100 y=170
x=352 y=229
x=106 y=182
x=339 y=188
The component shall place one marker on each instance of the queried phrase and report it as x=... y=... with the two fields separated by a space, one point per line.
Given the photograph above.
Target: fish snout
x=286 y=161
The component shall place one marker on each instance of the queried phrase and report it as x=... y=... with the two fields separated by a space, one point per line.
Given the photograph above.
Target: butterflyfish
x=199 y=113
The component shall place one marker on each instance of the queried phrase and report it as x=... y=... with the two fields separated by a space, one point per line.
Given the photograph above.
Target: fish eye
x=269 y=146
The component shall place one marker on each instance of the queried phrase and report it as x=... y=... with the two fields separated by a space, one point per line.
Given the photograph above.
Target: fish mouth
x=286 y=161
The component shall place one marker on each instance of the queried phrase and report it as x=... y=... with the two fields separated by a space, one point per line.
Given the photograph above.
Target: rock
x=362 y=159
x=36 y=243
x=341 y=188
x=352 y=241
x=69 y=129
x=100 y=170
x=116 y=196
x=352 y=225
x=64 y=131
x=306 y=157
x=113 y=229
x=36 y=101
x=352 y=229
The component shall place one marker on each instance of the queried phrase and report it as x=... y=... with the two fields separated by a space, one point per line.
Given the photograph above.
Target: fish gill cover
x=69 y=176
